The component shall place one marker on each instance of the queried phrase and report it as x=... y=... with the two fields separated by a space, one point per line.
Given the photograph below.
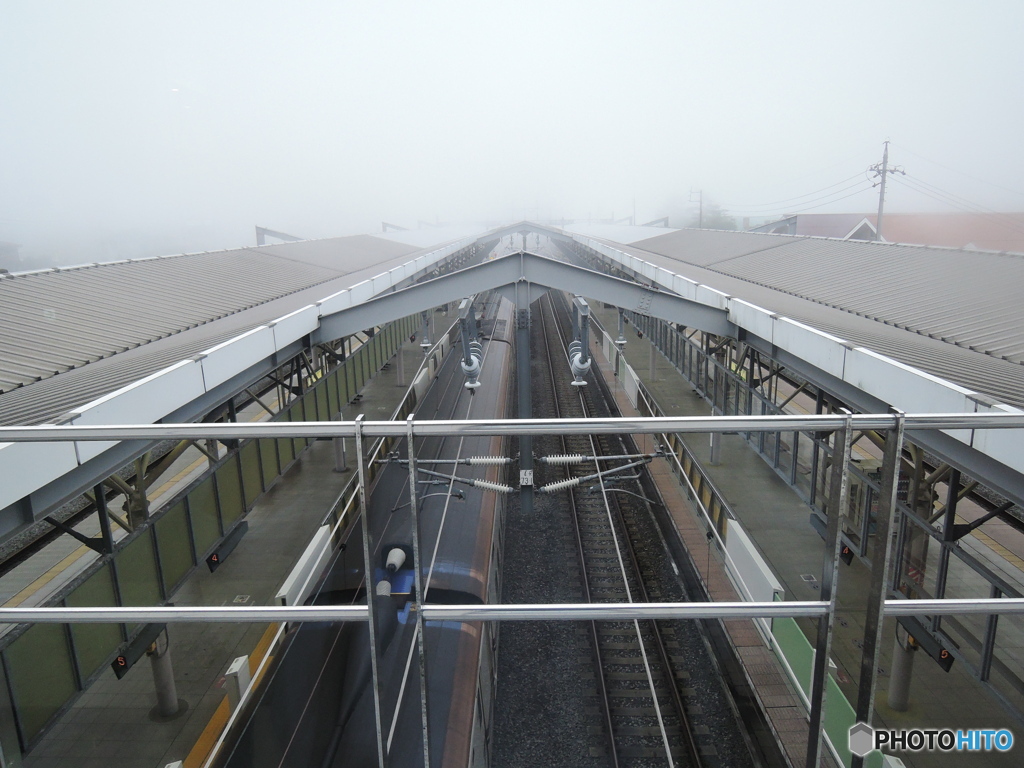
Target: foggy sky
x=166 y=127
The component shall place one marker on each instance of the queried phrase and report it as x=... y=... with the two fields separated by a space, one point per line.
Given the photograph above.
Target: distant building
x=980 y=231
x=10 y=257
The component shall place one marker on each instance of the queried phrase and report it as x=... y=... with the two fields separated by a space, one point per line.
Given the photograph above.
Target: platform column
x=167 y=704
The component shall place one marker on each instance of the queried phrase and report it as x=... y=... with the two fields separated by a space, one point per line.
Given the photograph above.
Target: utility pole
x=882 y=170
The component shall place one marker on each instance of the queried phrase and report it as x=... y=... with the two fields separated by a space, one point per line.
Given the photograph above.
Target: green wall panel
x=229 y=491
x=350 y=381
x=268 y=458
x=322 y=407
x=202 y=507
x=251 y=483
x=333 y=405
x=41 y=675
x=137 y=573
x=175 y=545
x=296 y=414
x=94 y=643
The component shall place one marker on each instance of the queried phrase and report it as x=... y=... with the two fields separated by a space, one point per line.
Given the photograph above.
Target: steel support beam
x=533 y=269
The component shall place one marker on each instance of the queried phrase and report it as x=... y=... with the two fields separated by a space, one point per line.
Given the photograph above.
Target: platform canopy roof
x=925 y=330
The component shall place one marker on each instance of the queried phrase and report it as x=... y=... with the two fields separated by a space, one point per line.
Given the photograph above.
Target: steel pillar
x=881 y=561
x=103 y=514
x=838 y=489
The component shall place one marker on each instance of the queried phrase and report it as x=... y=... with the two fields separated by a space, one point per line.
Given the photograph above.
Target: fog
x=131 y=129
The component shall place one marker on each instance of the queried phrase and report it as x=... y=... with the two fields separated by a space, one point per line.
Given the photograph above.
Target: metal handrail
x=466 y=427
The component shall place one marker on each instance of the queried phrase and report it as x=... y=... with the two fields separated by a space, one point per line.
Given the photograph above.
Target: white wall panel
x=26 y=467
x=361 y=292
x=142 y=402
x=816 y=347
x=225 y=360
x=685 y=287
x=335 y=302
x=1004 y=445
x=711 y=297
x=753 y=318
x=907 y=388
x=295 y=325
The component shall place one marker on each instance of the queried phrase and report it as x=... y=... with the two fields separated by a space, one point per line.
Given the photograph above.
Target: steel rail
x=601 y=683
x=637 y=425
x=597 y=447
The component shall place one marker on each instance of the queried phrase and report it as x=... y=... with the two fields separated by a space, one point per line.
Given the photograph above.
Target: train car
x=315 y=704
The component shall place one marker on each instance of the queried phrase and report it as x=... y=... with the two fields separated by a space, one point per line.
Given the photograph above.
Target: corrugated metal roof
x=975 y=306
x=709 y=246
x=967 y=298
x=58 y=320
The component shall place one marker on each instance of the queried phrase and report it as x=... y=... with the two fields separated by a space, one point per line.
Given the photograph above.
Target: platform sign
x=131 y=652
x=924 y=639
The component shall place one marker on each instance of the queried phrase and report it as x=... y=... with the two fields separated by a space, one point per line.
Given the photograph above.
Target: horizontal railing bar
x=331 y=613
x=623 y=611
x=954 y=606
x=325 y=429
x=517 y=612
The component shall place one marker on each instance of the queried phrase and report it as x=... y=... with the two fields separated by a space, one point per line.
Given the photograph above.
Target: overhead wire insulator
x=572 y=482
x=488 y=460
x=487 y=485
x=569 y=458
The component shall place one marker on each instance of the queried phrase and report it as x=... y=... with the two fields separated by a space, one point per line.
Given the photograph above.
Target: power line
x=791 y=199
x=861 y=186
x=948 y=199
x=954 y=170
x=822 y=205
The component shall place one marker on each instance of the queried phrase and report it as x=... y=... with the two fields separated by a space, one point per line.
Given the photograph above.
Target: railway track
x=638 y=682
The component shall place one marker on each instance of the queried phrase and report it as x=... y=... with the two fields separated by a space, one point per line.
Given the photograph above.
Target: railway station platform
x=776 y=519
x=112 y=723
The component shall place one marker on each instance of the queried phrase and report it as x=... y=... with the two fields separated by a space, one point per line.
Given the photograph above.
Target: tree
x=714 y=217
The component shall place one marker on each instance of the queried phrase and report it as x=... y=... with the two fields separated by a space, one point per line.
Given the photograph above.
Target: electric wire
x=791 y=199
x=940 y=196
x=954 y=170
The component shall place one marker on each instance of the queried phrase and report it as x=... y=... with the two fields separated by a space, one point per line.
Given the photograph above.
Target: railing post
x=881 y=562
x=368 y=580
x=830 y=574
x=421 y=596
